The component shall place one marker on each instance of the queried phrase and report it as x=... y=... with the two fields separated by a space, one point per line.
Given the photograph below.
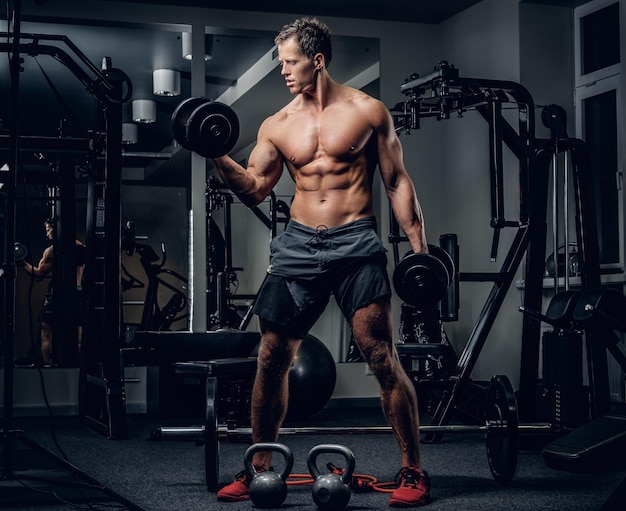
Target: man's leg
x=373 y=333
x=270 y=398
x=46 y=342
x=270 y=393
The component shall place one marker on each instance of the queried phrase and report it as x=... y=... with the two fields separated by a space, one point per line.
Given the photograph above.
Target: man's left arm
x=398 y=183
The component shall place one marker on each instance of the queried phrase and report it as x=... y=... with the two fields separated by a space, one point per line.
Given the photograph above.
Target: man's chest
x=309 y=138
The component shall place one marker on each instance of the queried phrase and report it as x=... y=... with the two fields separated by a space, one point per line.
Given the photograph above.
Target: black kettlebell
x=331 y=491
x=268 y=489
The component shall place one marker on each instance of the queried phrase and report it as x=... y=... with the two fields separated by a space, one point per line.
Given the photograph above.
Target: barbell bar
x=501 y=429
x=227 y=432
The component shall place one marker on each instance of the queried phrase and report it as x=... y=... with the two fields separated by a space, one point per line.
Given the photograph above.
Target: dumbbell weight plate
x=180 y=119
x=502 y=431
x=444 y=257
x=19 y=252
x=212 y=129
x=421 y=280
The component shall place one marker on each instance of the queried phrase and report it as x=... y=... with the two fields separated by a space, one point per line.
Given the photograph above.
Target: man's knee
x=277 y=349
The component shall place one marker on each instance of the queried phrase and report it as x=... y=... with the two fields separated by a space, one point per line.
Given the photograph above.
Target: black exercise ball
x=312 y=379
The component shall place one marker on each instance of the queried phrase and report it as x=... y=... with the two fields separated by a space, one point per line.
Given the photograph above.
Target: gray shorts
x=308 y=265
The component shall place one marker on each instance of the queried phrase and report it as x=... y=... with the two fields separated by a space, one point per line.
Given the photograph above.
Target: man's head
x=312 y=36
x=49 y=226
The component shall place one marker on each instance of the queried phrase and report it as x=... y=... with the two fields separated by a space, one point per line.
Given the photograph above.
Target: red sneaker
x=236 y=491
x=413 y=488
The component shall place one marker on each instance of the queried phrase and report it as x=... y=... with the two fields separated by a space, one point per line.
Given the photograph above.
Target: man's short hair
x=312 y=36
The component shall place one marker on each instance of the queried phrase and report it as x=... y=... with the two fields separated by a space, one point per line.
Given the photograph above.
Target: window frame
x=593 y=84
x=600 y=74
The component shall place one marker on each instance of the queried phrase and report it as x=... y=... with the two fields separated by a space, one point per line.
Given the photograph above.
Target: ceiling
x=52 y=102
x=412 y=11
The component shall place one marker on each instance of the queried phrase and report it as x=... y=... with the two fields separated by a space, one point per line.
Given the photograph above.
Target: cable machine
x=442 y=92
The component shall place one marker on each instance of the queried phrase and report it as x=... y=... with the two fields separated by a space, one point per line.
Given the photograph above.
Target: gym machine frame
x=107 y=87
x=441 y=92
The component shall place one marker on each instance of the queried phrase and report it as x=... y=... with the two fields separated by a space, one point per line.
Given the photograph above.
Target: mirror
x=155 y=192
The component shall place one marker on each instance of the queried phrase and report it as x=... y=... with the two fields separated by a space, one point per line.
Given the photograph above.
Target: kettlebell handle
x=273 y=447
x=346 y=477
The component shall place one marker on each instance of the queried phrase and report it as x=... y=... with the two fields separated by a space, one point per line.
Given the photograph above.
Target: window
x=598 y=102
x=599 y=37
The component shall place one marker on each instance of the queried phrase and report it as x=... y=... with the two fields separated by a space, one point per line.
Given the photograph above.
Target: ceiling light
x=144 y=111
x=208 y=46
x=166 y=82
x=129 y=133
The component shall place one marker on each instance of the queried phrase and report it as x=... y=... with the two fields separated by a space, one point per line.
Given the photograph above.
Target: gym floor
x=168 y=475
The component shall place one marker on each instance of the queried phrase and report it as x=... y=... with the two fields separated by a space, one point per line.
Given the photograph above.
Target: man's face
x=299 y=72
x=49 y=231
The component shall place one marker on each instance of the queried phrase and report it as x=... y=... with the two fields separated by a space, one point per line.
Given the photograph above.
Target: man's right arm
x=254 y=183
x=44 y=267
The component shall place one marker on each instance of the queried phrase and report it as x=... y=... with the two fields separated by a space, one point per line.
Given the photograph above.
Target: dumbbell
x=421 y=279
x=19 y=252
x=208 y=128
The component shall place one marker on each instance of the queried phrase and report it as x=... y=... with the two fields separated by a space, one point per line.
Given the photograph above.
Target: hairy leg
x=270 y=393
x=373 y=333
x=46 y=343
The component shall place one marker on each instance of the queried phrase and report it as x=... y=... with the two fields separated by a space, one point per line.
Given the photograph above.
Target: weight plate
x=19 y=252
x=213 y=129
x=420 y=280
x=502 y=429
x=180 y=119
x=211 y=441
x=444 y=257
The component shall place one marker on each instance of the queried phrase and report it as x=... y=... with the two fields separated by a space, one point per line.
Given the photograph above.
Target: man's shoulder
x=278 y=118
x=363 y=99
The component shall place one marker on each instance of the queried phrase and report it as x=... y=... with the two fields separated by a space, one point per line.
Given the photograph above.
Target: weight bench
x=213 y=373
x=597 y=444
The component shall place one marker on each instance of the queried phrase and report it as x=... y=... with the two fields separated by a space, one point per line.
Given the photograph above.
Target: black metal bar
x=8 y=278
x=113 y=370
x=273 y=219
x=64 y=280
x=478 y=336
x=102 y=355
x=34 y=48
x=50 y=144
x=442 y=71
x=533 y=286
x=589 y=260
x=495 y=164
x=481 y=277
x=394 y=235
x=225 y=432
x=450 y=303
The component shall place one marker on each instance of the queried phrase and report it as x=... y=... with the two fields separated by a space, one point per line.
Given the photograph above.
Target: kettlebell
x=268 y=489
x=331 y=491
